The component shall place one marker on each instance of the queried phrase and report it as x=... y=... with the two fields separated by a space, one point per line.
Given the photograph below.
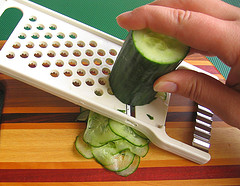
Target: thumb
x=203 y=89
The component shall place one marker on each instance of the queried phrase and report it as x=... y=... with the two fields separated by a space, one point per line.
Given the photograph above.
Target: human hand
x=211 y=30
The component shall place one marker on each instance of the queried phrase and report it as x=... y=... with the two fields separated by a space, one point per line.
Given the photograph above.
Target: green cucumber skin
x=132 y=76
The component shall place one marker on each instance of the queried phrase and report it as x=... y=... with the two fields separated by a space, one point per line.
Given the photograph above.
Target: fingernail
x=124 y=15
x=166 y=86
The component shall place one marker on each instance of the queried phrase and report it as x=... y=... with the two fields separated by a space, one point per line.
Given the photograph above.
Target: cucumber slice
x=127 y=133
x=98 y=131
x=83 y=116
x=139 y=133
x=131 y=169
x=83 y=148
x=144 y=57
x=111 y=160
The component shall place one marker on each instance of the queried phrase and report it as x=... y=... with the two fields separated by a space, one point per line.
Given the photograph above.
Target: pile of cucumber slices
x=115 y=146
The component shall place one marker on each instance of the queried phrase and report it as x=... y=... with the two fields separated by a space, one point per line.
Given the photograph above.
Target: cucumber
x=144 y=57
x=131 y=169
x=127 y=133
x=83 y=148
x=98 y=132
x=83 y=116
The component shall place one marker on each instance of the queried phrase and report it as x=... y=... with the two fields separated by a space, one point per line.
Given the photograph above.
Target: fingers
x=222 y=100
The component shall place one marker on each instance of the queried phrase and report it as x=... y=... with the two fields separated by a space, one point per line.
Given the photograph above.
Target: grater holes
x=27 y=27
x=102 y=81
x=53 y=27
x=94 y=71
x=43 y=44
x=54 y=73
x=97 y=62
x=30 y=45
x=35 y=36
x=16 y=45
x=76 y=82
x=81 y=44
x=32 y=64
x=106 y=71
x=67 y=73
x=46 y=63
x=40 y=27
x=68 y=44
x=85 y=62
x=10 y=55
x=101 y=52
x=51 y=53
x=24 y=55
x=113 y=52
x=59 y=63
x=72 y=62
x=56 y=44
x=22 y=36
x=89 y=82
x=61 y=35
x=38 y=54
x=109 y=61
x=48 y=35
x=73 y=35
x=76 y=53
x=93 y=43
x=98 y=92
x=33 y=18
x=81 y=72
x=64 y=53
x=89 y=53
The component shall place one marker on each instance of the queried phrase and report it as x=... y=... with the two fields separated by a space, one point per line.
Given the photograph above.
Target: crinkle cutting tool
x=72 y=60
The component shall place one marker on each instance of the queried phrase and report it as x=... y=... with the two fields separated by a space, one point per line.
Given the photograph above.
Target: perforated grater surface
x=73 y=61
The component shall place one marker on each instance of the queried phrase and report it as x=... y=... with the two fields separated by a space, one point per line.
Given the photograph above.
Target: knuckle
x=181 y=16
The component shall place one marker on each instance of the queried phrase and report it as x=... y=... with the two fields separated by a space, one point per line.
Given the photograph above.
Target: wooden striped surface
x=38 y=131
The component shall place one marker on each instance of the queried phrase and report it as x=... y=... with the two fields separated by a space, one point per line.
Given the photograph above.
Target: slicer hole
x=72 y=62
x=109 y=61
x=76 y=83
x=98 y=92
x=10 y=55
x=64 y=53
x=38 y=54
x=22 y=36
x=106 y=71
x=40 y=27
x=30 y=45
x=93 y=71
x=81 y=44
x=24 y=55
x=81 y=72
x=97 y=62
x=35 y=36
x=60 y=35
x=54 y=73
x=89 y=52
x=27 y=27
x=46 y=63
x=68 y=73
x=32 y=64
x=93 y=43
x=53 y=27
x=85 y=62
x=33 y=18
x=102 y=81
x=56 y=44
x=101 y=52
x=89 y=82
x=73 y=35
x=51 y=53
x=48 y=35
x=59 y=63
x=68 y=44
x=113 y=52
x=43 y=44
x=76 y=53
x=16 y=45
